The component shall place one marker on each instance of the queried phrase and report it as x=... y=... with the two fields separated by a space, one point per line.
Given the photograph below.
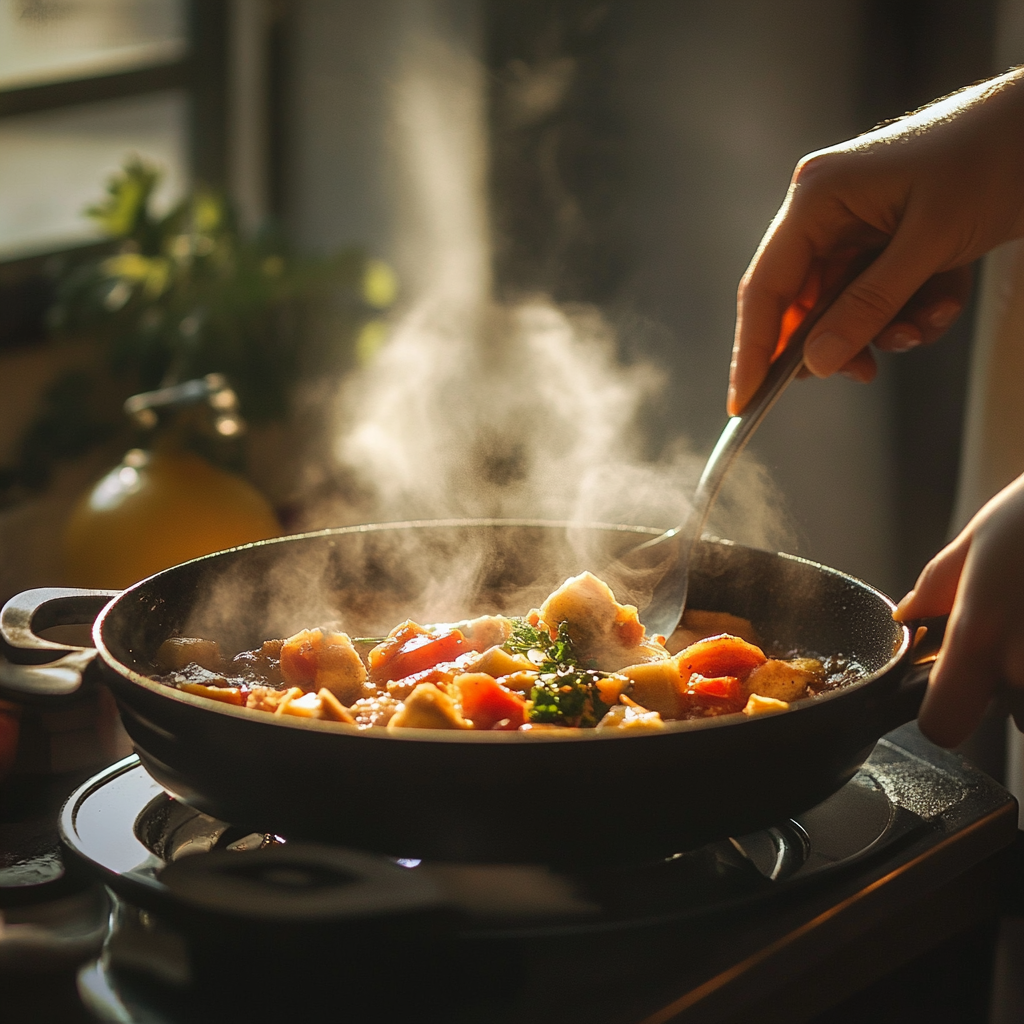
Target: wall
x=717 y=101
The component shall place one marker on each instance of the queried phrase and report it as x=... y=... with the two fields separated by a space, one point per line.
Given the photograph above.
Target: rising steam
x=475 y=408
x=478 y=409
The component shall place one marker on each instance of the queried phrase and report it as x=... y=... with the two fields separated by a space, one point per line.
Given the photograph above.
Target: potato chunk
x=428 y=708
x=657 y=685
x=317 y=659
x=757 y=705
x=605 y=633
x=496 y=661
x=785 y=680
x=626 y=718
x=179 y=651
x=487 y=631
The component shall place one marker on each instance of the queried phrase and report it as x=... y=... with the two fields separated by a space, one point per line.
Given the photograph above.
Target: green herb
x=173 y=295
x=565 y=693
x=186 y=292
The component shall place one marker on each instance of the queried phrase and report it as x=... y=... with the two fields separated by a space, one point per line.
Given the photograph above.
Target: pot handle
x=40 y=609
x=904 y=703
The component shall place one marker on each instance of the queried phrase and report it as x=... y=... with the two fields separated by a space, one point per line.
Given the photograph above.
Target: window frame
x=26 y=283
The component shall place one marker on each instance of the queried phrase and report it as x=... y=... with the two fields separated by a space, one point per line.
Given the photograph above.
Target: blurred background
x=275 y=185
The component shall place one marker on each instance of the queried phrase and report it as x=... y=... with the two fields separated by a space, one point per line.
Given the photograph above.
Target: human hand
x=920 y=200
x=979 y=581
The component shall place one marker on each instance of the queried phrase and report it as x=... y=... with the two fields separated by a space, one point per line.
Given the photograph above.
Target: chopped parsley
x=565 y=693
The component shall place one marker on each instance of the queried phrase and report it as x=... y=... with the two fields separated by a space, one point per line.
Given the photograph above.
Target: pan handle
x=40 y=609
x=904 y=703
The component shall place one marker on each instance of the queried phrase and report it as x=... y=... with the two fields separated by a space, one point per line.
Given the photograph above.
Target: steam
x=481 y=409
x=475 y=408
x=489 y=411
x=478 y=409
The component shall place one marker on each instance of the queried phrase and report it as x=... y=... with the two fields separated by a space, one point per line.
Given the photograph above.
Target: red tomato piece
x=718 y=690
x=387 y=649
x=414 y=652
x=488 y=704
x=443 y=672
x=722 y=655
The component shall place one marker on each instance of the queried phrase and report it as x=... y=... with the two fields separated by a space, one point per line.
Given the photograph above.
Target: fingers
x=983 y=649
x=866 y=307
x=965 y=675
x=861 y=368
x=774 y=280
x=936 y=587
x=886 y=304
x=969 y=667
x=962 y=682
x=929 y=313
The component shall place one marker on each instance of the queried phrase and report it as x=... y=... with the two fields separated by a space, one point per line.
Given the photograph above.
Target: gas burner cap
x=299 y=882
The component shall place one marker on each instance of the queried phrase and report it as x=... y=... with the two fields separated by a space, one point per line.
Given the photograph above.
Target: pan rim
x=448 y=736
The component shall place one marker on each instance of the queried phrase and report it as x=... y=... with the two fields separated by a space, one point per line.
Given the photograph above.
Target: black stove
x=207 y=916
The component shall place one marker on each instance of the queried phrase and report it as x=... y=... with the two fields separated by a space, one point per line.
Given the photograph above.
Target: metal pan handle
x=40 y=609
x=905 y=701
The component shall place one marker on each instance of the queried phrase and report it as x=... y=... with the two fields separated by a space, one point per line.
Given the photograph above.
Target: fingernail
x=944 y=314
x=902 y=341
x=825 y=353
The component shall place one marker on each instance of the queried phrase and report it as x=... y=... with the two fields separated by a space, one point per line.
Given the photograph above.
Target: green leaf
x=125 y=208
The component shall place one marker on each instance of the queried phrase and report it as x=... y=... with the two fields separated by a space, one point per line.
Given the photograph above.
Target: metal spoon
x=668 y=602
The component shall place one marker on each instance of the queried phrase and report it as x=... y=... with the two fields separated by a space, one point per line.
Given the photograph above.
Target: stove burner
x=210 y=916
x=144 y=843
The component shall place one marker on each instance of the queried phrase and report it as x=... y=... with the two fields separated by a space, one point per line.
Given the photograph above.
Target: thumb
x=866 y=306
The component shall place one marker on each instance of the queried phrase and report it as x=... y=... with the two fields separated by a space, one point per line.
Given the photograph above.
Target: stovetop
x=207 y=913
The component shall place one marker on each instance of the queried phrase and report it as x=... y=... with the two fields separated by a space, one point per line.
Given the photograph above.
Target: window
x=84 y=84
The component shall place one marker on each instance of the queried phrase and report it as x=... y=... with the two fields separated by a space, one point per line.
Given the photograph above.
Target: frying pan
x=553 y=797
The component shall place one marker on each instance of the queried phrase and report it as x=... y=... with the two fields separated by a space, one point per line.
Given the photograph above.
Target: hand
x=919 y=200
x=979 y=581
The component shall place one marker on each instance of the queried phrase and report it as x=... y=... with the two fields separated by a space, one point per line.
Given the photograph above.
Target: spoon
x=668 y=602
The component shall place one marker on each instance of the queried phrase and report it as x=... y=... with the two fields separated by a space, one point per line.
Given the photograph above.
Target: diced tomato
x=723 y=655
x=387 y=649
x=411 y=649
x=443 y=672
x=487 y=703
x=720 y=689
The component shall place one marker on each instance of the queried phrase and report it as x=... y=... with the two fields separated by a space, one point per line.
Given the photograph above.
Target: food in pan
x=580 y=661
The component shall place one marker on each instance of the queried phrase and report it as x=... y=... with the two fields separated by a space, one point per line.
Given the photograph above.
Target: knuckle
x=814 y=168
x=870 y=304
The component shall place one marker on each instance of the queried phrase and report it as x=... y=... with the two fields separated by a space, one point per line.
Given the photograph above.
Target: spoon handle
x=668 y=601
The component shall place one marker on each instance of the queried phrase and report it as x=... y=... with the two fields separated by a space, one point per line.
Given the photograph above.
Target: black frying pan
x=481 y=796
